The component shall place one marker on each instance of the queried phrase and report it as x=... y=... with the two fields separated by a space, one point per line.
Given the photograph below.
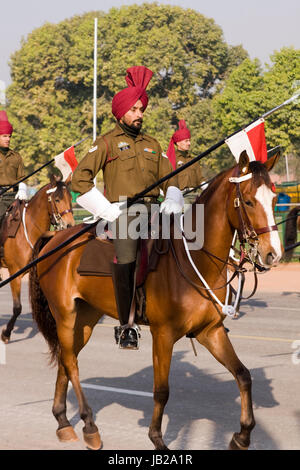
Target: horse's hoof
x=235 y=445
x=5 y=338
x=66 y=434
x=93 y=441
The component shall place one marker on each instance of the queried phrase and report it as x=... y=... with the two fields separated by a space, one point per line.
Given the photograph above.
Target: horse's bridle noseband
x=56 y=217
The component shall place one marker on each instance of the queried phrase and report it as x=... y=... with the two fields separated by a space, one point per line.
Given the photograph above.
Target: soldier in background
x=178 y=154
x=11 y=168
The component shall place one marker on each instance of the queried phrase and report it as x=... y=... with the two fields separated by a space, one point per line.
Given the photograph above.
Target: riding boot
x=123 y=280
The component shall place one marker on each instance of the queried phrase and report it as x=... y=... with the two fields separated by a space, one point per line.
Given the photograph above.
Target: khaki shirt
x=191 y=177
x=11 y=168
x=129 y=165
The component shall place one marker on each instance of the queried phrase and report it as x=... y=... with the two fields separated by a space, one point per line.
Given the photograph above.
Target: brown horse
x=67 y=306
x=290 y=235
x=51 y=205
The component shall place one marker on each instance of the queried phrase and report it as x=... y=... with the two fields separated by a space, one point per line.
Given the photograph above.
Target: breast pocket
x=126 y=160
x=151 y=164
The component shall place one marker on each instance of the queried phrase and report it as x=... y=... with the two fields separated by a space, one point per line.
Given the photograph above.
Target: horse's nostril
x=270 y=258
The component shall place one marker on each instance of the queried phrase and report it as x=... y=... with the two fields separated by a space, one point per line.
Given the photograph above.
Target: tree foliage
x=51 y=93
x=197 y=77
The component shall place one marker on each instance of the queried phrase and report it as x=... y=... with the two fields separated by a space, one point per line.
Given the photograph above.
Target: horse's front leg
x=162 y=354
x=15 y=286
x=218 y=343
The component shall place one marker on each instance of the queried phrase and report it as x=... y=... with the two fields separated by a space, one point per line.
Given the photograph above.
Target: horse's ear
x=271 y=162
x=52 y=179
x=244 y=162
x=69 y=179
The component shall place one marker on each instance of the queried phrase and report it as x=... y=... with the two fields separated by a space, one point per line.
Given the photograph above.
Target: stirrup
x=127 y=337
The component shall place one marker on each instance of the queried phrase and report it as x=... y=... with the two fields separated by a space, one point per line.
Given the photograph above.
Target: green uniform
x=11 y=171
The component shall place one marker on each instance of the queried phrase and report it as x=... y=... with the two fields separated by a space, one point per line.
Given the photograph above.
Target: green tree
x=51 y=93
x=249 y=92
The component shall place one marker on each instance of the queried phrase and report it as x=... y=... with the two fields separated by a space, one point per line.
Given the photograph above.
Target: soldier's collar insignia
x=93 y=149
x=164 y=155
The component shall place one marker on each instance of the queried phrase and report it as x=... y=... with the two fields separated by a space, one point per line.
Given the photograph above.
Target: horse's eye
x=57 y=200
x=249 y=203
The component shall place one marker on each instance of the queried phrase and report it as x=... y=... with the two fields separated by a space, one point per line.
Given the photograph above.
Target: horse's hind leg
x=72 y=338
x=15 y=286
x=162 y=353
x=217 y=342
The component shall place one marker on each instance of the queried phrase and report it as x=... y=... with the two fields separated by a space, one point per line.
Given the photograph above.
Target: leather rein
x=247 y=235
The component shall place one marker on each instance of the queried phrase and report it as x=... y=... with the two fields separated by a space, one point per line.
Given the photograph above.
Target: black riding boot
x=123 y=279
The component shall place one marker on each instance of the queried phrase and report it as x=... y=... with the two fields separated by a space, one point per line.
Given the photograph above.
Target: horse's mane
x=259 y=172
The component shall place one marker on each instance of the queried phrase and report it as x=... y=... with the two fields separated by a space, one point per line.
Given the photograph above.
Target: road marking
x=263 y=338
x=118 y=390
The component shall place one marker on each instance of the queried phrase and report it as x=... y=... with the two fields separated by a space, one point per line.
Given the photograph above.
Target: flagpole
x=95 y=81
x=138 y=196
x=36 y=171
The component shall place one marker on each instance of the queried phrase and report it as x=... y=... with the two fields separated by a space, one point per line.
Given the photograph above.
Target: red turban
x=181 y=134
x=137 y=79
x=5 y=126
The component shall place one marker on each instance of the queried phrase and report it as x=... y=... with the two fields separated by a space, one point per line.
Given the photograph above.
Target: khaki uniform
x=129 y=165
x=11 y=168
x=11 y=171
x=191 y=177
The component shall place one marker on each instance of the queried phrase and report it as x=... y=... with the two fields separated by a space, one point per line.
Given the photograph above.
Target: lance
x=36 y=171
x=270 y=152
x=132 y=200
x=291 y=247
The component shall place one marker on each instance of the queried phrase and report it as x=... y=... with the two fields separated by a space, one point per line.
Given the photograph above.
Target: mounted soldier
x=11 y=169
x=131 y=161
x=178 y=154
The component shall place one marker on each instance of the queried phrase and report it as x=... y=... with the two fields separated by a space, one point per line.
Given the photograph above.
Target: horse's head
x=60 y=204
x=251 y=210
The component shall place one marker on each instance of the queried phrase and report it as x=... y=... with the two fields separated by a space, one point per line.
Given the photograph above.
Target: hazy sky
x=261 y=26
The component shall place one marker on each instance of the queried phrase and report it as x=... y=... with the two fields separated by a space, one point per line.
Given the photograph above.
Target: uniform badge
x=149 y=150
x=93 y=149
x=164 y=155
x=180 y=163
x=123 y=146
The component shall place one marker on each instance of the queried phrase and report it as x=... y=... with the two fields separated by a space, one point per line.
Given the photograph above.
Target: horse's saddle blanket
x=98 y=256
x=11 y=220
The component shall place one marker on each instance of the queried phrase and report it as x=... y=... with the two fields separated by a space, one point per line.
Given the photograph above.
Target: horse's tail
x=290 y=235
x=40 y=308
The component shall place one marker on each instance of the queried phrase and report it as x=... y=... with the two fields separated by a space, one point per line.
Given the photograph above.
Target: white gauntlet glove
x=173 y=202
x=22 y=192
x=97 y=204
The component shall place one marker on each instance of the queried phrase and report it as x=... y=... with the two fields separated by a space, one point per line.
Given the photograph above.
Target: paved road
x=204 y=407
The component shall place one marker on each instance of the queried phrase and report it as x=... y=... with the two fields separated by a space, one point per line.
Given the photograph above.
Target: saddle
x=11 y=221
x=99 y=254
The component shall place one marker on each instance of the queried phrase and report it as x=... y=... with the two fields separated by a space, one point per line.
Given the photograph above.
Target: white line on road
x=118 y=390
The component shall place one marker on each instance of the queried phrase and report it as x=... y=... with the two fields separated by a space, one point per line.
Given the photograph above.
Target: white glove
x=173 y=202
x=22 y=192
x=97 y=204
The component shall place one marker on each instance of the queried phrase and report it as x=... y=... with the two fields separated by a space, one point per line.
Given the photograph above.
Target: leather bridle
x=246 y=232
x=56 y=217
